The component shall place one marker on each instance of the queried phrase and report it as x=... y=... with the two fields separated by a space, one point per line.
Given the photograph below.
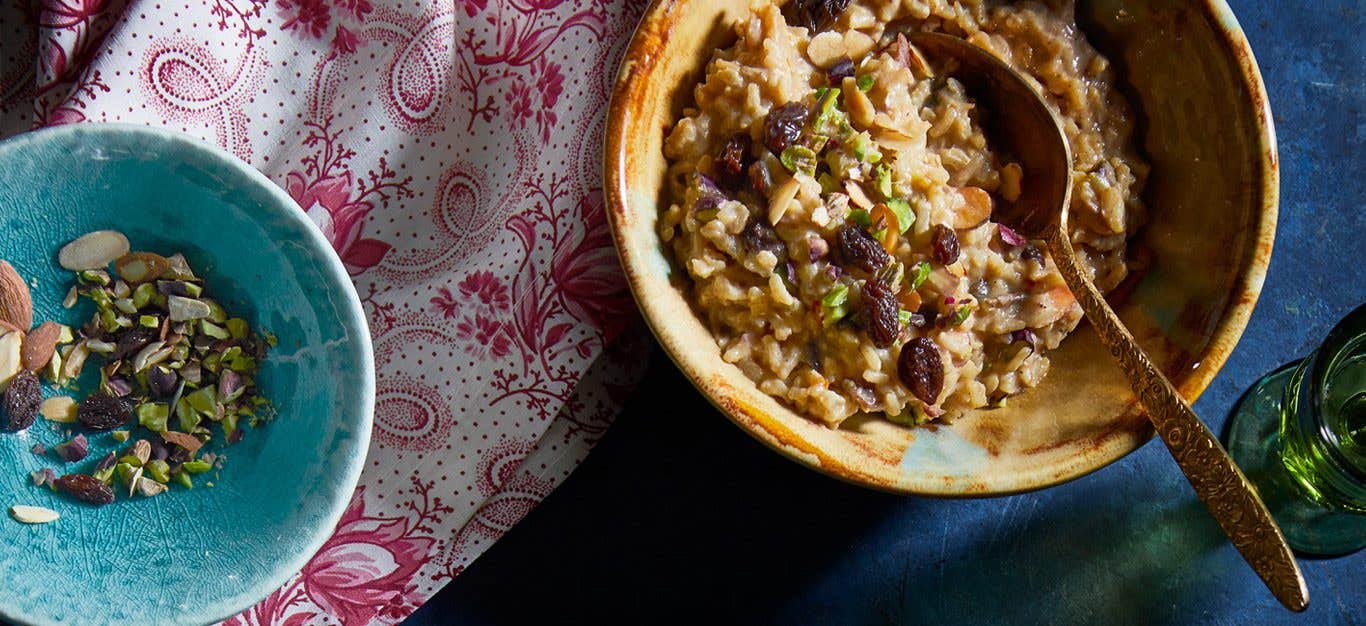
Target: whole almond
x=16 y=304
x=40 y=345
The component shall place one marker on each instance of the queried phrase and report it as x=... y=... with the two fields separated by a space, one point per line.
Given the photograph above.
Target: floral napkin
x=449 y=150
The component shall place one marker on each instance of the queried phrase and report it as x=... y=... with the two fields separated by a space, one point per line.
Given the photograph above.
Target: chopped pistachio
x=153 y=416
x=144 y=295
x=158 y=470
x=149 y=488
x=183 y=477
x=70 y=299
x=197 y=467
x=919 y=273
x=177 y=268
x=961 y=315
x=214 y=330
x=93 y=277
x=131 y=460
x=237 y=328
x=134 y=480
x=53 y=369
x=188 y=420
x=202 y=400
x=216 y=313
x=149 y=321
x=126 y=306
x=64 y=335
x=865 y=82
x=124 y=471
x=120 y=435
x=905 y=217
x=105 y=475
x=182 y=308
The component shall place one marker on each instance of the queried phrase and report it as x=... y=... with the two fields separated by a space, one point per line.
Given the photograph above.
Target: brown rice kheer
x=831 y=200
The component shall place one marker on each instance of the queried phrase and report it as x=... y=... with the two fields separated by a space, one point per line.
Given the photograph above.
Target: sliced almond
x=141 y=267
x=860 y=108
x=825 y=49
x=857 y=196
x=59 y=409
x=93 y=251
x=917 y=63
x=782 y=197
x=70 y=299
x=40 y=345
x=974 y=210
x=33 y=514
x=857 y=44
x=75 y=362
x=16 y=303
x=11 y=359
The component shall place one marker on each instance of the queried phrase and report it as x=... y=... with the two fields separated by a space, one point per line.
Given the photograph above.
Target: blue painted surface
x=185 y=557
x=677 y=514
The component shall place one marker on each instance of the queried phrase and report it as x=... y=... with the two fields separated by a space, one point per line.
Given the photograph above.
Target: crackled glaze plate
x=185 y=557
x=1206 y=127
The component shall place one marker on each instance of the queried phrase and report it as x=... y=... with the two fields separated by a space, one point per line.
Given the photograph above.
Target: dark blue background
x=677 y=514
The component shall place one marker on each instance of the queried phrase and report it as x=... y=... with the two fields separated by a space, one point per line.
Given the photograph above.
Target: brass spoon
x=1028 y=129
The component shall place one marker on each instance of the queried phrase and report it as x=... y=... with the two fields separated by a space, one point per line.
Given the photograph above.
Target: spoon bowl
x=1020 y=124
x=1025 y=126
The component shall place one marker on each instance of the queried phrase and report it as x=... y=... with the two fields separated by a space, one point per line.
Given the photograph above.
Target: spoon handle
x=1217 y=481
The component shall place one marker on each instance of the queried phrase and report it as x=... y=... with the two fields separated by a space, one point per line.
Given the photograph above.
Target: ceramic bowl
x=1213 y=195
x=185 y=556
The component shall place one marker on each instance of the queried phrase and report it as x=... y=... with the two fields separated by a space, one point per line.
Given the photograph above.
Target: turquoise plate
x=185 y=556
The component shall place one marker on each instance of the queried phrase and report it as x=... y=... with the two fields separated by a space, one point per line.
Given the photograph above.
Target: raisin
x=731 y=161
x=86 y=488
x=22 y=400
x=758 y=236
x=858 y=248
x=1026 y=335
x=880 y=313
x=866 y=397
x=921 y=369
x=783 y=126
x=131 y=342
x=945 y=243
x=101 y=411
x=816 y=15
x=841 y=70
x=760 y=180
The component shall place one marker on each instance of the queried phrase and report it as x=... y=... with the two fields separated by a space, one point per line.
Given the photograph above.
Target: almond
x=33 y=514
x=16 y=304
x=974 y=210
x=9 y=357
x=93 y=251
x=40 y=345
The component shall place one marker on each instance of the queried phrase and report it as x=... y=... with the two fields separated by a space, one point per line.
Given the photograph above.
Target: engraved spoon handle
x=1217 y=481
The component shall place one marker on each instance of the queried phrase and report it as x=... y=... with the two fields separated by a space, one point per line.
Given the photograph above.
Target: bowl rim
x=643 y=52
x=353 y=318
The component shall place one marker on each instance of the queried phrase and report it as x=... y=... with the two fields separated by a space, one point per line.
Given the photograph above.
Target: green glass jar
x=1300 y=435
